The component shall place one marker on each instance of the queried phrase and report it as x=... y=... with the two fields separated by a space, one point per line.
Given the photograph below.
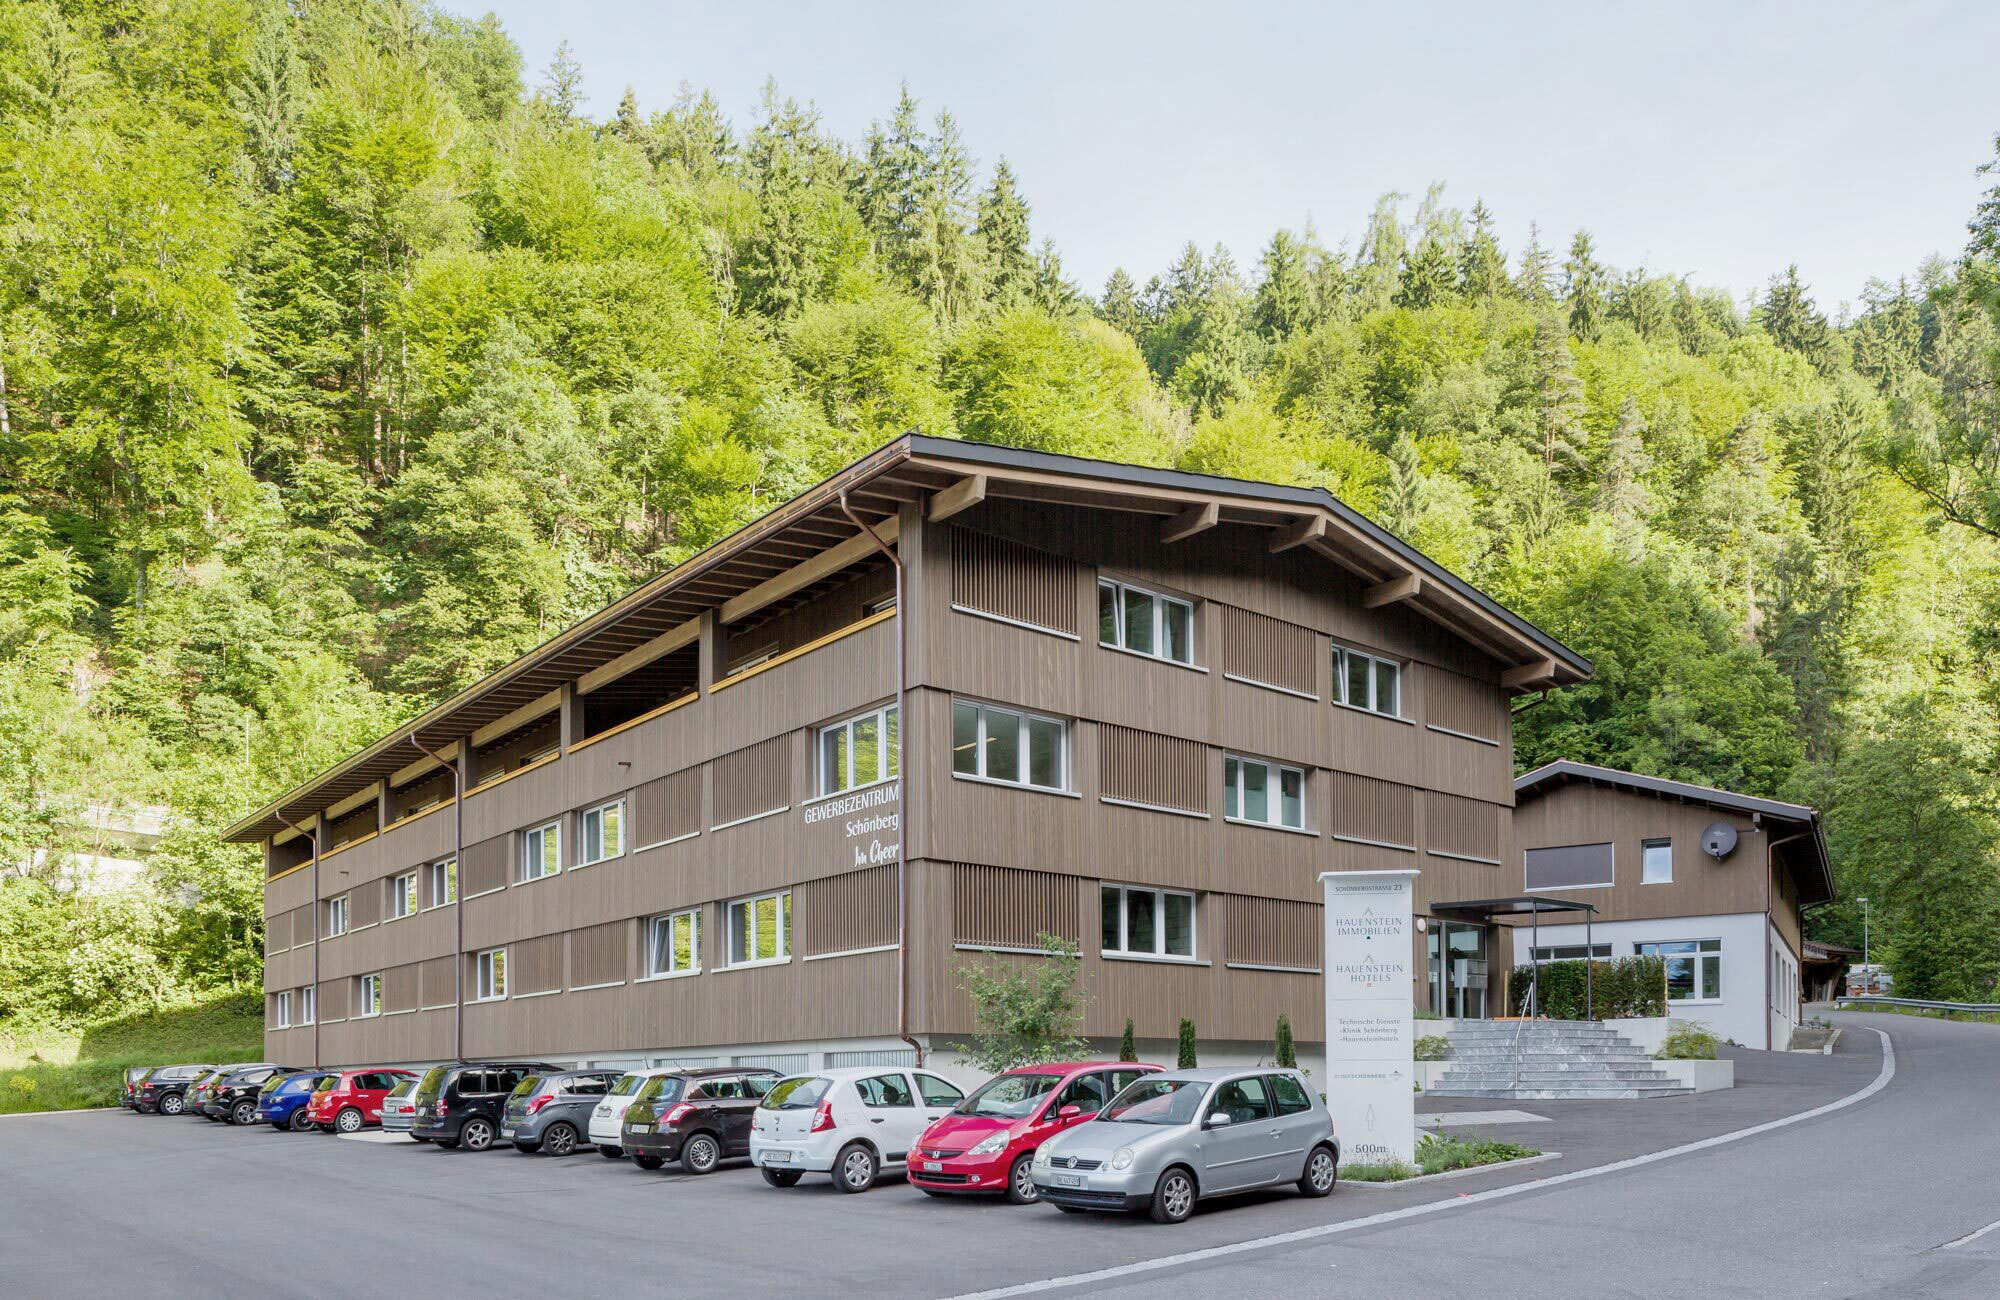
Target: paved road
x=1853 y=1203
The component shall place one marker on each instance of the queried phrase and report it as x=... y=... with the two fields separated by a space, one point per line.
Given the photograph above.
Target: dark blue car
x=282 y=1104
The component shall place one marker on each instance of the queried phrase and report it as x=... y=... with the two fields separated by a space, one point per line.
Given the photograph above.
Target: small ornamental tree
x=1287 y=1054
x=1025 y=1011
x=1127 y=1050
x=1187 y=1059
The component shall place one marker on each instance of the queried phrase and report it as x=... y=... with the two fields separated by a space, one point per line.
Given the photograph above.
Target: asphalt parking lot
x=113 y=1204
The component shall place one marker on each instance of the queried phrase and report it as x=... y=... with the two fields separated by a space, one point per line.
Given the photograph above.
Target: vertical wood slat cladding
x=1273 y=932
x=856 y=909
x=1461 y=704
x=667 y=808
x=434 y=986
x=1267 y=649
x=364 y=904
x=331 y=1004
x=1008 y=907
x=1462 y=826
x=485 y=866
x=1365 y=808
x=1002 y=577
x=755 y=779
x=399 y=988
x=535 y=965
x=353 y=826
x=597 y=953
x=1146 y=767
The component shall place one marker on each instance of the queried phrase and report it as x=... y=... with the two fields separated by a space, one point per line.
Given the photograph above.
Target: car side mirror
x=1217 y=1118
x=1070 y=1111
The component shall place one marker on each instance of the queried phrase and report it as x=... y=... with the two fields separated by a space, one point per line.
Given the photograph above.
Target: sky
x=1718 y=141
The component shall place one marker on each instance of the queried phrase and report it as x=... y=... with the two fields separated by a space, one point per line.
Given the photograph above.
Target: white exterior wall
x=1784 y=1004
x=1742 y=1015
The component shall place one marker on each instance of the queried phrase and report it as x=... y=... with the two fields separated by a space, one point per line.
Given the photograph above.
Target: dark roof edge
x=1531 y=782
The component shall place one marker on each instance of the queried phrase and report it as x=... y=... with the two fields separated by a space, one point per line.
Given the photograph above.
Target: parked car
x=461 y=1104
x=164 y=1091
x=607 y=1118
x=987 y=1142
x=282 y=1101
x=698 y=1117
x=551 y=1112
x=347 y=1101
x=1171 y=1139
x=233 y=1099
x=399 y=1108
x=201 y=1089
x=134 y=1076
x=855 y=1123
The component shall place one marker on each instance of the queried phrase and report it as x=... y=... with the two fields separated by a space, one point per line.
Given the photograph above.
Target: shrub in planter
x=1623 y=987
x=1433 y=1047
x=1687 y=1042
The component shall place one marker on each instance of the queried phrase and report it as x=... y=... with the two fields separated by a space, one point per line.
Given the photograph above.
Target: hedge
x=1623 y=987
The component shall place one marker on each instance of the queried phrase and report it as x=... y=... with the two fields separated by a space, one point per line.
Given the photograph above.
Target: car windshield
x=432 y=1083
x=1011 y=1096
x=801 y=1093
x=1157 y=1101
x=526 y=1087
x=627 y=1085
x=661 y=1087
x=403 y=1088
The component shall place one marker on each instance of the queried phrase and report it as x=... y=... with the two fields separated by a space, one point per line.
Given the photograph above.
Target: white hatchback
x=607 y=1117
x=855 y=1123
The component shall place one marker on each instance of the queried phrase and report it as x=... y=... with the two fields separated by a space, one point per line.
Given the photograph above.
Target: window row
x=1694 y=966
x=1594 y=866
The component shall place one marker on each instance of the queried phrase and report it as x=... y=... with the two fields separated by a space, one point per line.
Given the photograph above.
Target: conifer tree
x=1558 y=401
x=631 y=127
x=562 y=83
x=1430 y=275
x=1482 y=266
x=1186 y=1060
x=944 y=260
x=1534 y=278
x=1794 y=323
x=1003 y=237
x=1120 y=304
x=1285 y=302
x=1402 y=498
x=1583 y=288
x=1622 y=492
x=1127 y=1049
x=1052 y=291
x=1284 y=1051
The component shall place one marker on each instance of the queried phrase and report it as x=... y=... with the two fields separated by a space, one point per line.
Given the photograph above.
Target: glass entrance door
x=1457 y=955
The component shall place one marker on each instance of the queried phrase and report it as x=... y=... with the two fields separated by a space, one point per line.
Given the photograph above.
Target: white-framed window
x=308 y=1004
x=371 y=994
x=1694 y=968
x=1656 y=862
x=760 y=928
x=858 y=751
x=443 y=881
x=1144 y=622
x=489 y=975
x=403 y=895
x=601 y=832
x=1147 y=922
x=1019 y=748
x=673 y=943
x=1365 y=681
x=1571 y=952
x=336 y=916
x=541 y=851
x=281 y=1010
x=1265 y=794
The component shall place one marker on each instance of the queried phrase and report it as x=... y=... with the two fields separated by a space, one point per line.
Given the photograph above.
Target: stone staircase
x=1547 y=1060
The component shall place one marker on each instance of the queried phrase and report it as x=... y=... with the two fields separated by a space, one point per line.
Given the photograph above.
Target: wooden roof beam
x=962 y=495
x=831 y=561
x=1394 y=591
x=639 y=656
x=525 y=714
x=1195 y=519
x=1536 y=673
x=1310 y=528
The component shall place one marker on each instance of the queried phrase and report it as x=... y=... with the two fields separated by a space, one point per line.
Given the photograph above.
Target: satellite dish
x=1719 y=840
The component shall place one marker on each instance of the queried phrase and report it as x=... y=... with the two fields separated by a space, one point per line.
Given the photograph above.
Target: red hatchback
x=348 y=1101
x=987 y=1141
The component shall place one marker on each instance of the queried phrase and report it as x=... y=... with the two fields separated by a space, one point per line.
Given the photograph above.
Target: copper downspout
x=457 y=770
x=903 y=779
x=313 y=839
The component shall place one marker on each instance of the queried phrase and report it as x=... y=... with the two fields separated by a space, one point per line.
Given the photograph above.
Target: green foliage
x=1127 y=1050
x=39 y=1071
x=1620 y=988
x=1025 y=1011
x=1437 y=1154
x=1686 y=1041
x=1185 y=1059
x=1432 y=1047
x=1283 y=1050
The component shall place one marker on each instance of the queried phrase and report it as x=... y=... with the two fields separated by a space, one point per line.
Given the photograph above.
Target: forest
x=343 y=358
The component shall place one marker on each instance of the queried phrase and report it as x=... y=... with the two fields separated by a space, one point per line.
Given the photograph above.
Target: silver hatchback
x=1169 y=1140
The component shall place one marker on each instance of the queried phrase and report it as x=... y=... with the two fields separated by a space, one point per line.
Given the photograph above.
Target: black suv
x=698 y=1117
x=164 y=1091
x=551 y=1112
x=233 y=1097
x=461 y=1104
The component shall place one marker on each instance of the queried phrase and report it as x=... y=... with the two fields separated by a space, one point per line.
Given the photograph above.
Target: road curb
x=81 y=1110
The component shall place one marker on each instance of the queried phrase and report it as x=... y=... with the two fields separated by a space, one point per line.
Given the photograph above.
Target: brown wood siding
x=359 y=822
x=1382 y=812
x=1267 y=649
x=1001 y=577
x=856 y=909
x=1464 y=827
x=1272 y=932
x=752 y=780
x=1007 y=907
x=332 y=1002
x=1460 y=704
x=1146 y=767
x=364 y=905
x=667 y=808
x=399 y=988
x=598 y=953
x=434 y=985
x=486 y=866
x=535 y=965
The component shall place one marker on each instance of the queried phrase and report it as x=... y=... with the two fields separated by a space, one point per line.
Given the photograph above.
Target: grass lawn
x=1437 y=1155
x=58 y=1070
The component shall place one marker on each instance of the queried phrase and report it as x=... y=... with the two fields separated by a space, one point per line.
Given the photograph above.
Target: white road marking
x=377 y=1135
x=1881 y=1081
x=1970 y=1237
x=81 y=1110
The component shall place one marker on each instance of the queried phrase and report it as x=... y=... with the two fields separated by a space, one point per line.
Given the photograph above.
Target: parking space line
x=1881 y=1081
x=1970 y=1237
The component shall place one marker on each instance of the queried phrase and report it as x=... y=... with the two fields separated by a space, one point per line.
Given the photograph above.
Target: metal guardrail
x=1867 y=1000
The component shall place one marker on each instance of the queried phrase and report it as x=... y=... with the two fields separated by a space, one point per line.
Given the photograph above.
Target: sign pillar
x=1370 y=1080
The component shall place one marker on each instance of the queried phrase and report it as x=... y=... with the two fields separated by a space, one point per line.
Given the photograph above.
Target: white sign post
x=1369 y=1076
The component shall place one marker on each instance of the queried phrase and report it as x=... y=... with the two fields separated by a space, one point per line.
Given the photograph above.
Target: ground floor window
x=760 y=928
x=1694 y=968
x=1148 y=922
x=1572 y=952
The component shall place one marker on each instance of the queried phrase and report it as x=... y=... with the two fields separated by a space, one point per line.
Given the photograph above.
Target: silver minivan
x=1171 y=1139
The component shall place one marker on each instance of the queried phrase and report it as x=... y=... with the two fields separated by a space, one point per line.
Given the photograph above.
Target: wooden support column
x=571 y=708
x=709 y=639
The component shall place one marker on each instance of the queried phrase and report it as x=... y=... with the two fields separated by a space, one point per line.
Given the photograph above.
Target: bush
x=1624 y=987
x=1127 y=1049
x=1438 y=1155
x=1187 y=1059
x=1688 y=1042
x=1433 y=1047
x=1025 y=1011
x=1286 y=1052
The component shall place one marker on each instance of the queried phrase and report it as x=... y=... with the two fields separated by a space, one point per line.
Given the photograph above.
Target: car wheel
x=171 y=1104
x=700 y=1154
x=1173 y=1196
x=610 y=1153
x=1320 y=1173
x=245 y=1112
x=649 y=1162
x=781 y=1177
x=855 y=1168
x=301 y=1121
x=1021 y=1189
x=477 y=1135
x=560 y=1140
x=348 y=1121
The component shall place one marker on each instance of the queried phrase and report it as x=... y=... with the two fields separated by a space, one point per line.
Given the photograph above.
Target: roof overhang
x=1486 y=909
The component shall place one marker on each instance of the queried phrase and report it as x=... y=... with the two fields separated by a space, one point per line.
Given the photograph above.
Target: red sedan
x=348 y=1101
x=987 y=1141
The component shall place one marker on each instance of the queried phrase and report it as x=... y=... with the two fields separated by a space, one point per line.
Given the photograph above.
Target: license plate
x=506 y=1132
x=1069 y=1180
x=932 y=1166
x=642 y=1128
x=777 y=1157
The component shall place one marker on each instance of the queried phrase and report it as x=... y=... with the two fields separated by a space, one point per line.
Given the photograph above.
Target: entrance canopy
x=1486 y=909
